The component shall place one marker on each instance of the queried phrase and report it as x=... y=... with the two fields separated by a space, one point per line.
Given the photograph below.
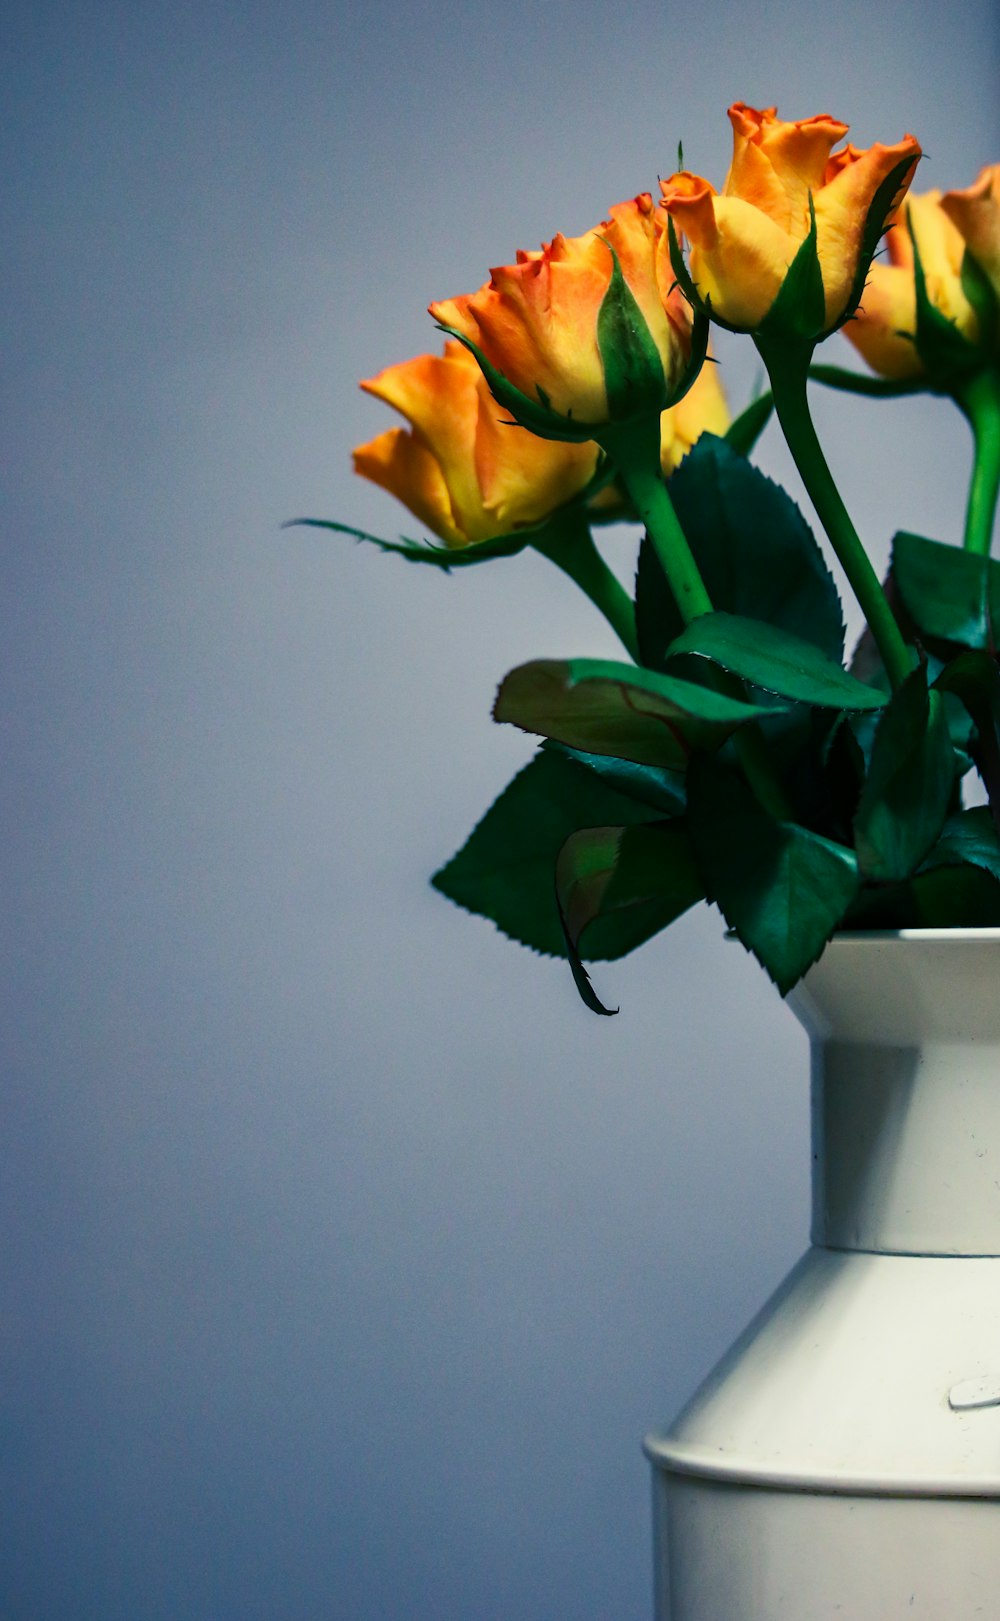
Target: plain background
x=345 y=1257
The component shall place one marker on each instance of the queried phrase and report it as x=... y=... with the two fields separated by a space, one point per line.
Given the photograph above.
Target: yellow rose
x=976 y=214
x=702 y=410
x=536 y=320
x=884 y=329
x=463 y=470
x=743 y=241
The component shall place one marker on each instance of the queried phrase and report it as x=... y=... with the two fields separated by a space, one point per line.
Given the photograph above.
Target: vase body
x=843 y=1460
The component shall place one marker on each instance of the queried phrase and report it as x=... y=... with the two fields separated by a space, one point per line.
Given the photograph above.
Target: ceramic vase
x=843 y=1459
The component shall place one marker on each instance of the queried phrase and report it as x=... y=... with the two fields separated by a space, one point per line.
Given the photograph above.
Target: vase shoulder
x=875 y=1374
x=906 y=987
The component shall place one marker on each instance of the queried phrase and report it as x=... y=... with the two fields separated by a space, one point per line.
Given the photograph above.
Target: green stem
x=567 y=542
x=788 y=369
x=637 y=457
x=979 y=399
x=636 y=453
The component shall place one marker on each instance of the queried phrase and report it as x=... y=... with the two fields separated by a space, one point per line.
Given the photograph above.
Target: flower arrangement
x=732 y=754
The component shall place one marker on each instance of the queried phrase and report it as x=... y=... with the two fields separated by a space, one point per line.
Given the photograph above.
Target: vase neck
x=905 y=1034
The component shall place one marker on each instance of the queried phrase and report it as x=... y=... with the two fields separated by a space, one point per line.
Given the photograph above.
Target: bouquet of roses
x=731 y=755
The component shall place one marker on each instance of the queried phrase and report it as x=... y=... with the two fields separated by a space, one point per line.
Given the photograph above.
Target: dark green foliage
x=638 y=804
x=663 y=791
x=974 y=678
x=962 y=896
x=506 y=868
x=754 y=550
x=908 y=788
x=775 y=660
x=743 y=433
x=782 y=888
x=970 y=838
x=616 y=709
x=951 y=595
x=619 y=886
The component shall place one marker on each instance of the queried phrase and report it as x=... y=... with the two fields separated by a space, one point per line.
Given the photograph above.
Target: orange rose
x=884 y=328
x=976 y=214
x=461 y=467
x=743 y=241
x=536 y=320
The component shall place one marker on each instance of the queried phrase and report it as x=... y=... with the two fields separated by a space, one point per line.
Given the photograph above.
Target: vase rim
x=882 y=935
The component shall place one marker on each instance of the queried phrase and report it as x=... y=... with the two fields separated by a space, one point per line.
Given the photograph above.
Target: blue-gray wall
x=345 y=1258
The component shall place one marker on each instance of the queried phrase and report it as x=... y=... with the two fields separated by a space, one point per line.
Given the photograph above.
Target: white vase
x=843 y=1459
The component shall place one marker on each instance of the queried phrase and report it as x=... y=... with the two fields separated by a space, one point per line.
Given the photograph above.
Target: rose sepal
x=426 y=551
x=946 y=356
x=535 y=415
x=479 y=551
x=982 y=296
x=799 y=309
x=876 y=222
x=633 y=371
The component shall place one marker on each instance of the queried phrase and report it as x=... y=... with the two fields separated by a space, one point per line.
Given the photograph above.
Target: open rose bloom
x=744 y=239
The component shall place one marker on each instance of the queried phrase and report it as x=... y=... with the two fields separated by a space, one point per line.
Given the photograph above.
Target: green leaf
x=956 y=897
x=754 y=550
x=906 y=795
x=619 y=886
x=970 y=838
x=780 y=887
x=974 y=678
x=949 y=593
x=607 y=708
x=506 y=868
x=415 y=551
x=799 y=310
x=963 y=896
x=776 y=661
x=823 y=774
x=742 y=435
x=633 y=370
x=663 y=791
